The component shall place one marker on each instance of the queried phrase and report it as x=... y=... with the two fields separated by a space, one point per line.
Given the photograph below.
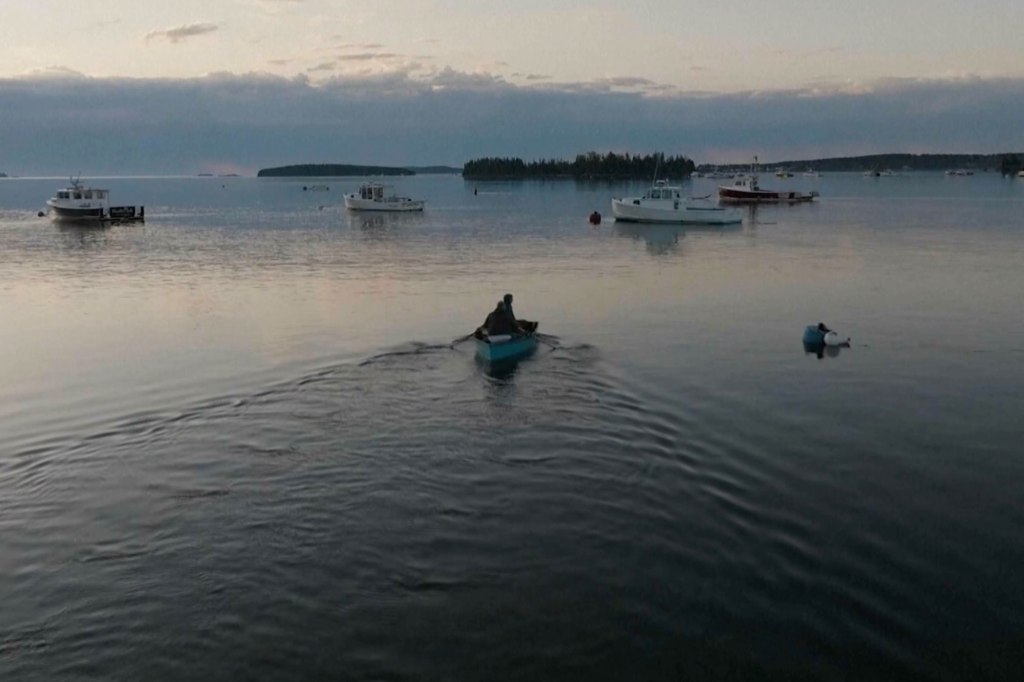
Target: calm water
x=235 y=443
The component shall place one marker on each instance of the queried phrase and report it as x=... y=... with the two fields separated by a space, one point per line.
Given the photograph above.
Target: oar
x=543 y=338
x=462 y=338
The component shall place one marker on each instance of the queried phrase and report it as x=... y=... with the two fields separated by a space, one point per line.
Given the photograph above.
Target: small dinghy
x=504 y=346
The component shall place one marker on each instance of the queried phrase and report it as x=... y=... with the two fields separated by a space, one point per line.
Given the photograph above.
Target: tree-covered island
x=589 y=166
x=313 y=170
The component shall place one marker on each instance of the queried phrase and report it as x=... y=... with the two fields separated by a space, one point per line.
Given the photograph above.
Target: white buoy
x=833 y=339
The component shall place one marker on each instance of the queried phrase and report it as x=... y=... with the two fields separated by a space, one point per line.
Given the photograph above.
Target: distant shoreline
x=318 y=170
x=1006 y=162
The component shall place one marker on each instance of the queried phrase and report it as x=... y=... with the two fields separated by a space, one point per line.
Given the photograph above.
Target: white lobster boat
x=79 y=202
x=374 y=196
x=664 y=203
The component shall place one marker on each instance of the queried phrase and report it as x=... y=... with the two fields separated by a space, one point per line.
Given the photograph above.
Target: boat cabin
x=371 y=192
x=669 y=193
x=662 y=191
x=747 y=182
x=80 y=193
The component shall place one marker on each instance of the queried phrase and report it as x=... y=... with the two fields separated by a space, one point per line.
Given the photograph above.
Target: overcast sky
x=118 y=86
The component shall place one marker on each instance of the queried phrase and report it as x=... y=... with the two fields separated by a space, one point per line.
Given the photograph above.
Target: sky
x=119 y=86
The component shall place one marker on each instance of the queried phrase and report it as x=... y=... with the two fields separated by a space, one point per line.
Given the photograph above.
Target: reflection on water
x=663 y=238
x=84 y=235
x=660 y=239
x=375 y=223
x=821 y=350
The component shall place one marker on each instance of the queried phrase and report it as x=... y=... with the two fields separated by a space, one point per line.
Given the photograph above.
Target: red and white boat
x=746 y=190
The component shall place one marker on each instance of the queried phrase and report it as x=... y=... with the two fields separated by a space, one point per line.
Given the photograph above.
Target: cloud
x=58 y=120
x=54 y=73
x=180 y=33
x=367 y=56
x=358 y=46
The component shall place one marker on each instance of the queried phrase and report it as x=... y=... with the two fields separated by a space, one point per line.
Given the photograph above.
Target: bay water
x=237 y=441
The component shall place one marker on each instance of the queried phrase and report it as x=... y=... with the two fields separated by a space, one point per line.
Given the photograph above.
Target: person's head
x=507 y=299
x=500 y=306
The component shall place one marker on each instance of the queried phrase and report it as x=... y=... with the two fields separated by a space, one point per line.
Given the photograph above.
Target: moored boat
x=79 y=202
x=504 y=346
x=747 y=190
x=664 y=203
x=374 y=196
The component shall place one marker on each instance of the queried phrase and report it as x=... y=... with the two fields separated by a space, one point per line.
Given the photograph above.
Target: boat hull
x=355 y=203
x=60 y=212
x=741 y=196
x=678 y=213
x=515 y=348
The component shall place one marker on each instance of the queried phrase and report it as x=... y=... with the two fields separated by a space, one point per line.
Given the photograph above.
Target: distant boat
x=374 y=196
x=1020 y=173
x=782 y=173
x=664 y=203
x=811 y=173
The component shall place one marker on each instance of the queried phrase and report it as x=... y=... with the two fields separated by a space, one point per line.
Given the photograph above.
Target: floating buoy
x=833 y=339
x=595 y=218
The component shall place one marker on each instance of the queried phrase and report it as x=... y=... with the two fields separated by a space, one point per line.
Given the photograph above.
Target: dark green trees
x=589 y=166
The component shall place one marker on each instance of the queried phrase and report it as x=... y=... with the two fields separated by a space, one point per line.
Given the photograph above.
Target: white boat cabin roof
x=662 y=190
x=82 y=193
x=374 y=190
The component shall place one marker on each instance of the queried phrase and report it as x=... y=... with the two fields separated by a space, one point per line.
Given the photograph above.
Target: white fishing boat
x=664 y=203
x=374 y=196
x=79 y=202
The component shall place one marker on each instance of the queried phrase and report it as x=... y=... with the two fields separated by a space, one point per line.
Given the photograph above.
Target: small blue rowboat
x=505 y=347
